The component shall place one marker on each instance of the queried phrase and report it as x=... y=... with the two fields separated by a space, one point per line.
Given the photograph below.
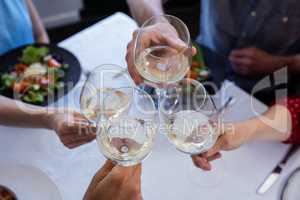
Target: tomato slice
x=53 y=63
x=192 y=75
x=20 y=68
x=20 y=87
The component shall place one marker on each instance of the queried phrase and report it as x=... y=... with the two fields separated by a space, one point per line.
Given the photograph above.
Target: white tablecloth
x=165 y=172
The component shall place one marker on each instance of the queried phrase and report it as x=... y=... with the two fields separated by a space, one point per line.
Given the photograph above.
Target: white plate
x=291 y=190
x=28 y=183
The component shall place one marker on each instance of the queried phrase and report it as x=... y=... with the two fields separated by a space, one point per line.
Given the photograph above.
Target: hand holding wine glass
x=231 y=139
x=192 y=125
x=113 y=182
x=160 y=40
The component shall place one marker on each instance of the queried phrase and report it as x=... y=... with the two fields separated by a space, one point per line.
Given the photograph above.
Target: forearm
x=274 y=125
x=292 y=62
x=15 y=113
x=142 y=10
x=39 y=30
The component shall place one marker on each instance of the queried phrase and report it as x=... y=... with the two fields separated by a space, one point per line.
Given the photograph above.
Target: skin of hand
x=274 y=125
x=253 y=61
x=72 y=128
x=230 y=140
x=114 y=182
x=295 y=63
x=161 y=33
x=142 y=10
x=39 y=30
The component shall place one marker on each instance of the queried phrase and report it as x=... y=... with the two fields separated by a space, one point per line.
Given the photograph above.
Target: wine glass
x=191 y=121
x=166 y=57
x=127 y=137
x=100 y=81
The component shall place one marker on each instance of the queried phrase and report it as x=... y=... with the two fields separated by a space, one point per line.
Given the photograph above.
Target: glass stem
x=160 y=93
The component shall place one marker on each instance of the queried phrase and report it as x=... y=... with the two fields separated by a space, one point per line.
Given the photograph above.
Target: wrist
x=285 y=61
x=47 y=119
x=248 y=129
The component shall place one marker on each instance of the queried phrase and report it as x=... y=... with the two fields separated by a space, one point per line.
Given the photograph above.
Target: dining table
x=165 y=174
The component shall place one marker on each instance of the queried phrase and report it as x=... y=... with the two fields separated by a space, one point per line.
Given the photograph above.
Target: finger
x=131 y=66
x=135 y=181
x=246 y=52
x=137 y=171
x=177 y=44
x=72 y=145
x=81 y=128
x=104 y=171
x=214 y=157
x=130 y=45
x=194 y=51
x=100 y=175
x=241 y=61
x=189 y=52
x=135 y=33
x=215 y=149
x=202 y=162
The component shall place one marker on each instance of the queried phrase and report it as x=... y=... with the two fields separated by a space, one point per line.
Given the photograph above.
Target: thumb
x=100 y=175
x=216 y=148
x=103 y=172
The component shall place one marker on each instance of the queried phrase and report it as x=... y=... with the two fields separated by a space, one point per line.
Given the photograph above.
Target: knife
x=274 y=176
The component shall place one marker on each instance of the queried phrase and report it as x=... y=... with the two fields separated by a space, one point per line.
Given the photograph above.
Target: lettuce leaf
x=34 y=54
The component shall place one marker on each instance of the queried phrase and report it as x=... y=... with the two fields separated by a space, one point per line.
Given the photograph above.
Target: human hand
x=157 y=34
x=115 y=183
x=253 y=61
x=72 y=128
x=232 y=139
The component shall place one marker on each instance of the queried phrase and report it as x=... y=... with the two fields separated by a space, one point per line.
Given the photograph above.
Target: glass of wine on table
x=192 y=124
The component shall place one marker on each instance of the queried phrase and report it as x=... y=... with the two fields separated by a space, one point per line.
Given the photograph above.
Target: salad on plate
x=37 y=75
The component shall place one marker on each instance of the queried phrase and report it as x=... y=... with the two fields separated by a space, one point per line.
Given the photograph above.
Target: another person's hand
x=115 y=183
x=158 y=34
x=72 y=129
x=253 y=61
x=230 y=140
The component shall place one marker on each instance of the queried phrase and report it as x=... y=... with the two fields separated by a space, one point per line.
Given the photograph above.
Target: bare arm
x=142 y=10
x=274 y=125
x=14 y=113
x=40 y=33
x=293 y=62
x=72 y=129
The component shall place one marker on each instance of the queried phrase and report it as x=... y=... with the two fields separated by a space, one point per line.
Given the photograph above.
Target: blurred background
x=63 y=18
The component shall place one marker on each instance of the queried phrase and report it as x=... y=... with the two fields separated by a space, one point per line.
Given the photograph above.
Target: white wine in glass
x=162 y=64
x=191 y=132
x=115 y=104
x=164 y=56
x=186 y=112
x=128 y=138
x=101 y=81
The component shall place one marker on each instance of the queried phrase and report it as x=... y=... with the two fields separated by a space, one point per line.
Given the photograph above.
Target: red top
x=293 y=104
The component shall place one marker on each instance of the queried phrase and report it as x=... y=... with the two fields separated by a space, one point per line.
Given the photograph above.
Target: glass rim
x=198 y=86
x=167 y=16
x=102 y=66
x=135 y=88
x=121 y=69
